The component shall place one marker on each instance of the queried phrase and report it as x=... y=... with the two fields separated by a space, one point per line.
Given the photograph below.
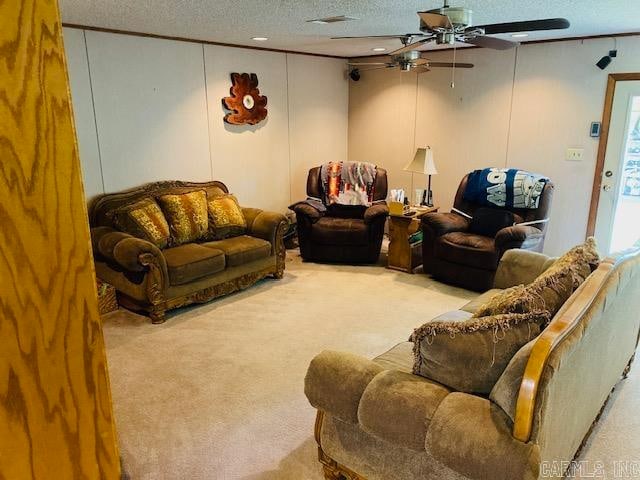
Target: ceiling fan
x=407 y=61
x=448 y=25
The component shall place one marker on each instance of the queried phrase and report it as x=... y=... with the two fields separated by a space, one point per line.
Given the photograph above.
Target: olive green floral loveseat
x=153 y=277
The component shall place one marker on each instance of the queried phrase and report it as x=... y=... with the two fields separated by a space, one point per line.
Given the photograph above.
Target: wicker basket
x=107 y=301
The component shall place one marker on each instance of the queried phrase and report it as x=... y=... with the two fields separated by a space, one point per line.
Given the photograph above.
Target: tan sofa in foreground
x=378 y=421
x=155 y=280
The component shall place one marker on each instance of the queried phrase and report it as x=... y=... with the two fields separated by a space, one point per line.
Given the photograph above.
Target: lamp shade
x=422 y=162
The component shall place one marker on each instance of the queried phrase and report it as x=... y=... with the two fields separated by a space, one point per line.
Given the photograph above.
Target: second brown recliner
x=454 y=255
x=342 y=233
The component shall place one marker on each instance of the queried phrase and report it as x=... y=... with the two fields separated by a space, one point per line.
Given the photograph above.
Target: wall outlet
x=574 y=154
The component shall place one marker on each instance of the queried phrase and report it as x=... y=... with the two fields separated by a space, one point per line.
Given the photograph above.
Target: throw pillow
x=225 y=217
x=489 y=221
x=143 y=219
x=469 y=354
x=187 y=215
x=550 y=289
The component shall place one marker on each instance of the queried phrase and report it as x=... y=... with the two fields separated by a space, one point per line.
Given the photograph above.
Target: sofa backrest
x=101 y=206
x=578 y=359
x=527 y=215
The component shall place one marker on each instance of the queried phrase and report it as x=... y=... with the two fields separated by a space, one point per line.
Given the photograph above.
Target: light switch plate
x=574 y=154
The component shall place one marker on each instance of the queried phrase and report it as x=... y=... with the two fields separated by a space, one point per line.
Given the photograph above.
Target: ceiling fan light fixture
x=259 y=39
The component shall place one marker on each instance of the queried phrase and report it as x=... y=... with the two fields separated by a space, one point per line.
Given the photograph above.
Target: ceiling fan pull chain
x=453 y=69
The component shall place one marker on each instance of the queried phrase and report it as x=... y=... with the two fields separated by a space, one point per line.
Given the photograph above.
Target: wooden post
x=56 y=417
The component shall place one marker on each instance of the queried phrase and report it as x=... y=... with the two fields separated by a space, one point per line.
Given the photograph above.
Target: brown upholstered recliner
x=454 y=255
x=342 y=233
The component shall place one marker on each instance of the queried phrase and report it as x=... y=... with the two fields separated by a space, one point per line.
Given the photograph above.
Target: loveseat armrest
x=269 y=226
x=443 y=223
x=520 y=267
x=335 y=382
x=129 y=252
x=375 y=212
x=250 y=215
x=472 y=436
x=518 y=236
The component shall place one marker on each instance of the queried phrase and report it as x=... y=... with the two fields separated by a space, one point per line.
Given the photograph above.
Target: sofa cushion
x=472 y=436
x=188 y=262
x=399 y=358
x=225 y=217
x=340 y=231
x=187 y=216
x=398 y=406
x=467 y=249
x=143 y=219
x=505 y=391
x=480 y=300
x=469 y=354
x=550 y=289
x=242 y=249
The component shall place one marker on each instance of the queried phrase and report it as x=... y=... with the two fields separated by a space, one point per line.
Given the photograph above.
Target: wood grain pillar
x=56 y=417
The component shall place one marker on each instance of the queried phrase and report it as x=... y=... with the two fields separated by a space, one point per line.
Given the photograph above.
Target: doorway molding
x=612 y=80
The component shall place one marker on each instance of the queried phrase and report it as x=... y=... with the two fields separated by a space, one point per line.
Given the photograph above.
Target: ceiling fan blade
x=364 y=64
x=377 y=68
x=434 y=20
x=527 y=26
x=450 y=65
x=411 y=46
x=382 y=36
x=492 y=42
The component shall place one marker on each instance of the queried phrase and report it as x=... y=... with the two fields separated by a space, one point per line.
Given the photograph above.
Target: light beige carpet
x=217 y=391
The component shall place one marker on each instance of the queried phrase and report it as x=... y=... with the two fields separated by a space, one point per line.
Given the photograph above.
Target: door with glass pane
x=618 y=215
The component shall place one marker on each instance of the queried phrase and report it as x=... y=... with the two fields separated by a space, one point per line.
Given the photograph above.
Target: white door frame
x=602 y=146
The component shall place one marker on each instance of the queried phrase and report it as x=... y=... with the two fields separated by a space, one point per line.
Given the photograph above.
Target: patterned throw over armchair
x=494 y=210
x=343 y=218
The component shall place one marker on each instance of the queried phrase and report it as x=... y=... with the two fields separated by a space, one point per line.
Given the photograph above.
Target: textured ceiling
x=284 y=21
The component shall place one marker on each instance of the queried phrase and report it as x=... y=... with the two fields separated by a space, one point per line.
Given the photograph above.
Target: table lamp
x=423 y=163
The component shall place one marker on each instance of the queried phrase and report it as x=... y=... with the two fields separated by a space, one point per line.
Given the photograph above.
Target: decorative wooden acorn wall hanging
x=247 y=106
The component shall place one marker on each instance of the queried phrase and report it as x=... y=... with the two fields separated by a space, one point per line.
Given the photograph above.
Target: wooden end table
x=402 y=255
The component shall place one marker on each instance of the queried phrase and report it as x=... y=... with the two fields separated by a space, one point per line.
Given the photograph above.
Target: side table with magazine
x=405 y=239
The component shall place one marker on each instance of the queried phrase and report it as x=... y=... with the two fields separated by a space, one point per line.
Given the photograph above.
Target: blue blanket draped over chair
x=505 y=187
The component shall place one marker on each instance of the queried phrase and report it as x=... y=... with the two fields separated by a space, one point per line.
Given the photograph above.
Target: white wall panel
x=494 y=117
x=318 y=115
x=83 y=111
x=467 y=126
x=153 y=121
x=558 y=92
x=253 y=161
x=150 y=107
x=382 y=122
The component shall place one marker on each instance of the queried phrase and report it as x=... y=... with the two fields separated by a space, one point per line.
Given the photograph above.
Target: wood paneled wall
x=55 y=407
x=149 y=109
x=519 y=109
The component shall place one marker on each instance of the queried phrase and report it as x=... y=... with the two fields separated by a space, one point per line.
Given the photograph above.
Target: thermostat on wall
x=595 y=129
